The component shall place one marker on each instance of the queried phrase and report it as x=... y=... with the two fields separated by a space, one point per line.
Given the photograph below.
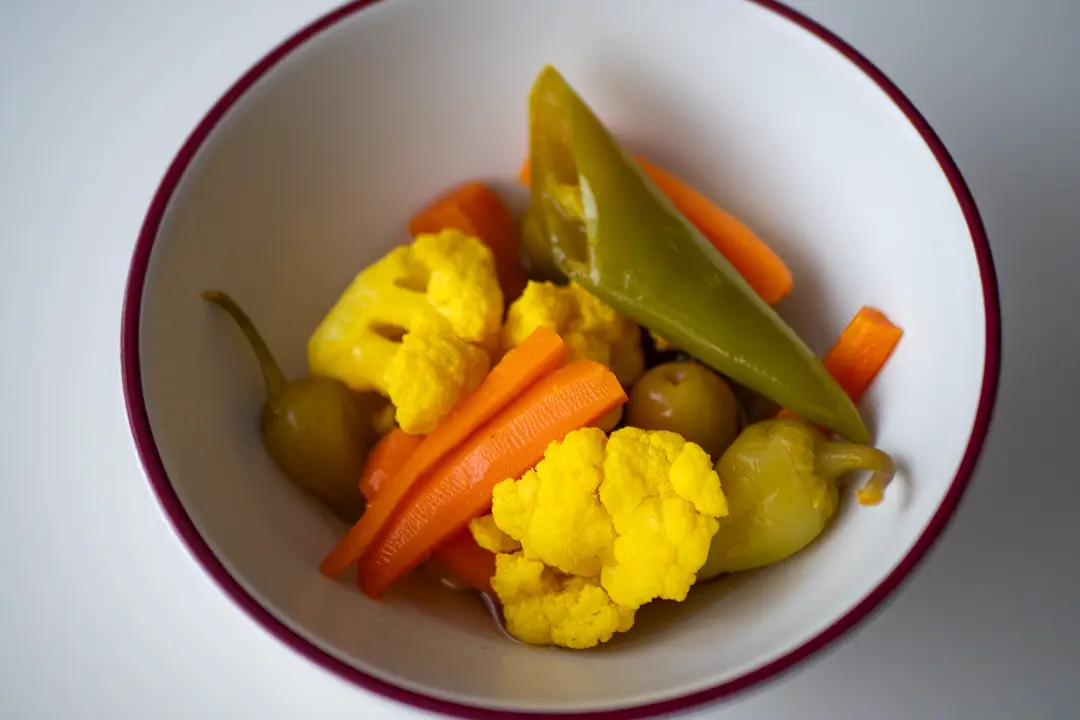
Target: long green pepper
x=596 y=218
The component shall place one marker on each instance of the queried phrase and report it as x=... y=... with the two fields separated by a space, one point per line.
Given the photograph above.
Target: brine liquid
x=434 y=571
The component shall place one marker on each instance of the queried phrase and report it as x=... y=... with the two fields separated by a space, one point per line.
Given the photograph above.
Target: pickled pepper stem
x=835 y=459
x=271 y=372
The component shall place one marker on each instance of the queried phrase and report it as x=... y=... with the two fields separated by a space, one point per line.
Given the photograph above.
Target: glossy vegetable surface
x=459 y=488
x=596 y=218
x=386 y=459
x=468 y=562
x=689 y=399
x=862 y=350
x=313 y=428
x=519 y=369
x=755 y=261
x=460 y=562
x=780 y=478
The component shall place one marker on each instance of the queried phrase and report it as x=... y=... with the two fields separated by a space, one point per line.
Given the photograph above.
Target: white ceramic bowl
x=308 y=168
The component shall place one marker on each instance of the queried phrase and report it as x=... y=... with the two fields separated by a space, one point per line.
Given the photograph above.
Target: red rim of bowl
x=174 y=510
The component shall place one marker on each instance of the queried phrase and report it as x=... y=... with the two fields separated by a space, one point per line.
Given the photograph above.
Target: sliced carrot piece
x=461 y=556
x=756 y=262
x=860 y=353
x=538 y=355
x=475 y=209
x=525 y=172
x=460 y=487
x=468 y=561
x=386 y=459
x=862 y=350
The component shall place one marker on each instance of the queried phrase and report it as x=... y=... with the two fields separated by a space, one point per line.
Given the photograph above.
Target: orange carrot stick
x=460 y=487
x=540 y=354
x=461 y=556
x=862 y=350
x=468 y=561
x=386 y=459
x=756 y=262
x=474 y=208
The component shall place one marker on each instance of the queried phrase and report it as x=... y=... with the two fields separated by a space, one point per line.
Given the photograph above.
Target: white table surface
x=106 y=616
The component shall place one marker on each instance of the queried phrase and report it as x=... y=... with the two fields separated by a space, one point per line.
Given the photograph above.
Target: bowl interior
x=314 y=172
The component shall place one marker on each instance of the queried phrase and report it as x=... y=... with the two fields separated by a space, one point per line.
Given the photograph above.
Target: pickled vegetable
x=780 y=478
x=604 y=224
x=314 y=428
x=689 y=399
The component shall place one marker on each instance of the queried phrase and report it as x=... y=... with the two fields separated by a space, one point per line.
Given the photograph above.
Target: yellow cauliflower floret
x=553 y=510
x=664 y=498
x=412 y=327
x=590 y=328
x=462 y=284
x=488 y=535
x=429 y=374
x=542 y=608
x=623 y=520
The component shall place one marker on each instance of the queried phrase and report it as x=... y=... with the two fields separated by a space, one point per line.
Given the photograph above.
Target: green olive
x=315 y=428
x=689 y=399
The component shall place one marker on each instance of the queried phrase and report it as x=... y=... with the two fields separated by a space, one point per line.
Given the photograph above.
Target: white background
x=105 y=616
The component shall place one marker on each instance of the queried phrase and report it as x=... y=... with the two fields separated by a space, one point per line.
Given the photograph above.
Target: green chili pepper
x=596 y=218
x=780 y=479
x=315 y=428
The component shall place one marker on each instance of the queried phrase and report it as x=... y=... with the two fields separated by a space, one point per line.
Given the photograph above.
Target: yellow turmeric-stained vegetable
x=542 y=607
x=661 y=344
x=590 y=327
x=605 y=526
x=413 y=326
x=488 y=535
